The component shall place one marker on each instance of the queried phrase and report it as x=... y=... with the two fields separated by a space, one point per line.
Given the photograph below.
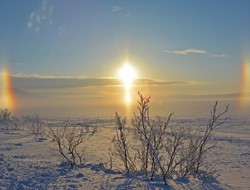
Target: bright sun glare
x=127 y=74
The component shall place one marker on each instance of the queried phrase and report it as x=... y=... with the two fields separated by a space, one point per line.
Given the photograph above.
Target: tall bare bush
x=162 y=150
x=151 y=134
x=121 y=145
x=199 y=144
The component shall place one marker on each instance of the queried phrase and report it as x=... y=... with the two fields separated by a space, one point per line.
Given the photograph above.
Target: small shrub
x=70 y=141
x=5 y=119
x=36 y=125
x=15 y=122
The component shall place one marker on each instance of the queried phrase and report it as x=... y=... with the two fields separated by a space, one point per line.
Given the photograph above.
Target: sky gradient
x=181 y=50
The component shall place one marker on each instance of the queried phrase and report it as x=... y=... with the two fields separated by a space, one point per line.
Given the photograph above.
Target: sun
x=127 y=74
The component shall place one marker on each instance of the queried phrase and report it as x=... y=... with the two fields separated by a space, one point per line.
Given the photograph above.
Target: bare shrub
x=121 y=145
x=70 y=141
x=5 y=119
x=199 y=143
x=5 y=115
x=170 y=156
x=150 y=134
x=15 y=122
x=110 y=159
x=143 y=132
x=166 y=151
x=9 y=121
x=36 y=125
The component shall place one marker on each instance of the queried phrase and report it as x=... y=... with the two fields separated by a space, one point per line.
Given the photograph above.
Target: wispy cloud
x=187 y=51
x=195 y=51
x=39 y=76
x=35 y=81
x=218 y=55
x=154 y=82
x=116 y=8
x=40 y=17
x=225 y=96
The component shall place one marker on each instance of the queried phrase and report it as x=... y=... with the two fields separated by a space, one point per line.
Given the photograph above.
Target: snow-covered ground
x=26 y=163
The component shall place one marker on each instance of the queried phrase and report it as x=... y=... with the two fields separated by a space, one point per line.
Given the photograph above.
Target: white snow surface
x=26 y=163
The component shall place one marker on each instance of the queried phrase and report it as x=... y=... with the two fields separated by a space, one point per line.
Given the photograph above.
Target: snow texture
x=26 y=163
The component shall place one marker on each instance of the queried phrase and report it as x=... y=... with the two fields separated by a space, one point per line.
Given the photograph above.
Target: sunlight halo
x=127 y=74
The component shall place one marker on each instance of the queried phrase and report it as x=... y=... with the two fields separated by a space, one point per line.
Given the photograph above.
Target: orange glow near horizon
x=6 y=93
x=244 y=95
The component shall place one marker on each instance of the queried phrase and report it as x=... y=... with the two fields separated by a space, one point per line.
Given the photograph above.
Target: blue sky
x=179 y=40
x=92 y=37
